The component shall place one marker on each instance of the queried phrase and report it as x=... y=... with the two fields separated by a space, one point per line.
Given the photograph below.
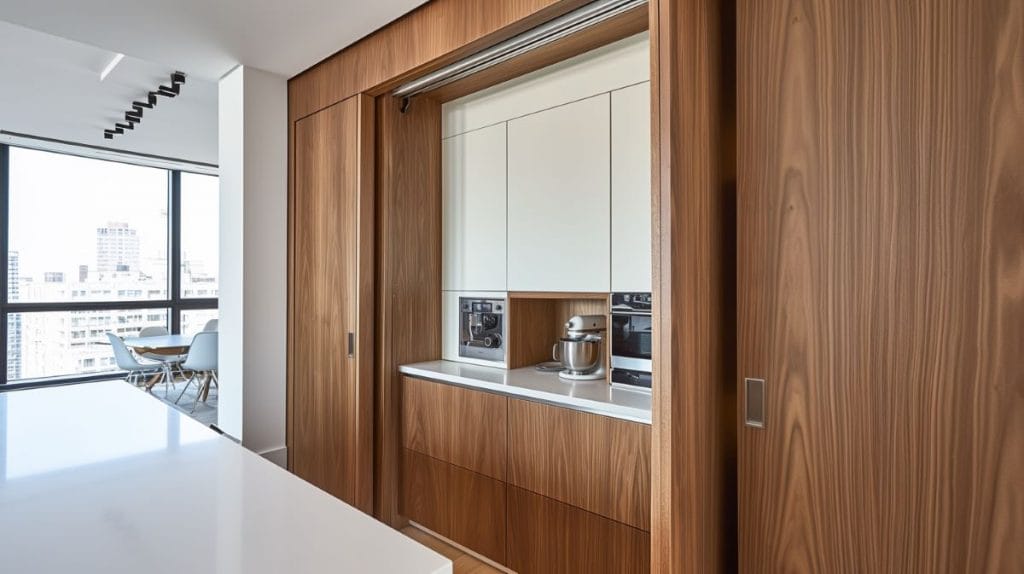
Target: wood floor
x=462 y=563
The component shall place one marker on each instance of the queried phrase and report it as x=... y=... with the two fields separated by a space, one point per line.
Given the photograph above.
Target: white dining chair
x=171 y=363
x=201 y=361
x=211 y=325
x=154 y=331
x=126 y=361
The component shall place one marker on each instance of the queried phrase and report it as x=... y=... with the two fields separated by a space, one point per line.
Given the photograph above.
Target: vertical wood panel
x=408 y=272
x=331 y=283
x=594 y=462
x=882 y=233
x=434 y=34
x=693 y=514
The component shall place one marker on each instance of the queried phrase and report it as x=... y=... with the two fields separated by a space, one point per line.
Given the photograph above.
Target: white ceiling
x=50 y=87
x=52 y=53
x=207 y=38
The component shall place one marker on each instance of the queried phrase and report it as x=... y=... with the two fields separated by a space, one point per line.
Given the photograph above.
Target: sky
x=57 y=201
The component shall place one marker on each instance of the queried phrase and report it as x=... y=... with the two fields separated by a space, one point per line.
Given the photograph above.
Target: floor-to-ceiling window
x=95 y=246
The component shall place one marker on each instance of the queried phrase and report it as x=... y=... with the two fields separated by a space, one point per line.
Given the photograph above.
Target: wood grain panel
x=594 y=462
x=537 y=320
x=433 y=35
x=693 y=457
x=882 y=278
x=545 y=535
x=463 y=506
x=408 y=272
x=332 y=280
x=464 y=427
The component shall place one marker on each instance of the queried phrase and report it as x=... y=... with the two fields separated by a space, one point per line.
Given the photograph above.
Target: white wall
x=253 y=241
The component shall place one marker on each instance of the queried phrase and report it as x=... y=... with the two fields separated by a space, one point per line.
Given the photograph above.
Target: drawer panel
x=545 y=535
x=461 y=426
x=597 y=463
x=461 y=505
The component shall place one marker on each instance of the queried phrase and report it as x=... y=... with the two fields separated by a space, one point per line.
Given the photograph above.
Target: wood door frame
x=693 y=524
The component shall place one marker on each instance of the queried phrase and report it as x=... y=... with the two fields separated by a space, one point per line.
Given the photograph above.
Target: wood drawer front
x=464 y=427
x=545 y=535
x=458 y=504
x=594 y=462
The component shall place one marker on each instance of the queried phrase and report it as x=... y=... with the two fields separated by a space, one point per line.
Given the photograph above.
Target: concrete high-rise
x=14 y=319
x=117 y=248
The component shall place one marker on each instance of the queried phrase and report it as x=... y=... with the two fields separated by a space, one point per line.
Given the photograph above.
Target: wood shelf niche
x=537 y=320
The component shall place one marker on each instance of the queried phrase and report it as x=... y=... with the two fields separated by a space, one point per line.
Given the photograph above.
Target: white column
x=253 y=151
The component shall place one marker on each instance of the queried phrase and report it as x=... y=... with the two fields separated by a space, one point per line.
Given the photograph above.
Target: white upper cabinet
x=474 y=222
x=631 y=189
x=620 y=64
x=558 y=198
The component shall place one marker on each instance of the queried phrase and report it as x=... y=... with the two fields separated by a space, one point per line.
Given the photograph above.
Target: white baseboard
x=278 y=456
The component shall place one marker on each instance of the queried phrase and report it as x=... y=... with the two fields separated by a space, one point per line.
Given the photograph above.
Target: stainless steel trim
x=753 y=402
x=630 y=313
x=631 y=363
x=560 y=27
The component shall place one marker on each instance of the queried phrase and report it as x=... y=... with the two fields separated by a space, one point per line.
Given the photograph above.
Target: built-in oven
x=631 y=332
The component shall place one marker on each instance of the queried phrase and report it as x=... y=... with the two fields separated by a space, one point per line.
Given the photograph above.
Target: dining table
x=163 y=345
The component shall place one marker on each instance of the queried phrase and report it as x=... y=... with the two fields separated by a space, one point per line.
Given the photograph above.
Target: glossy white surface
x=596 y=397
x=103 y=478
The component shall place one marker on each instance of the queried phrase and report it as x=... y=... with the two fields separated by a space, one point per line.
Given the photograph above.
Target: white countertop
x=101 y=477
x=590 y=396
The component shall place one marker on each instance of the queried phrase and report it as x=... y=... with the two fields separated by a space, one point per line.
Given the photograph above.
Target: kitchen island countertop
x=99 y=477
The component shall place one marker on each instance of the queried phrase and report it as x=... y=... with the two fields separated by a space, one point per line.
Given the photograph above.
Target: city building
x=117 y=248
x=14 y=319
x=58 y=343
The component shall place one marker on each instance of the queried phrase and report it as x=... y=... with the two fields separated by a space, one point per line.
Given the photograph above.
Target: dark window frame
x=174 y=304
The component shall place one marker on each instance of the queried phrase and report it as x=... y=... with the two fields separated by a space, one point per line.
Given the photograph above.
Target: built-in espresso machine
x=482 y=328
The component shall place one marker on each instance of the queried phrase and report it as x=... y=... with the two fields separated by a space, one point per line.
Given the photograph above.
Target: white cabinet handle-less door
x=631 y=189
x=559 y=224
x=473 y=183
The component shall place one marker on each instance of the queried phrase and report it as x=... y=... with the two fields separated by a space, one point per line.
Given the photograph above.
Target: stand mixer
x=581 y=350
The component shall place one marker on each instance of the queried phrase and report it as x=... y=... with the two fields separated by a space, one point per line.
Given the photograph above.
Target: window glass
x=83 y=229
x=200 y=211
x=59 y=343
x=194 y=321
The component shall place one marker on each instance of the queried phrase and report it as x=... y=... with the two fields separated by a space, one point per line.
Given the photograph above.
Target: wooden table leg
x=205 y=387
x=153 y=381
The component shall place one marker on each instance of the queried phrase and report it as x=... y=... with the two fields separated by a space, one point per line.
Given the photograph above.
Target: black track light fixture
x=134 y=115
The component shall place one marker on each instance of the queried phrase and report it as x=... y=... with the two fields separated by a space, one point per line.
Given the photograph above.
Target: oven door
x=631 y=335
